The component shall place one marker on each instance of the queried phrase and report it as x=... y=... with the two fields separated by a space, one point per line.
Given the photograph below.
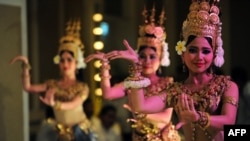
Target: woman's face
x=150 y=60
x=67 y=63
x=199 y=55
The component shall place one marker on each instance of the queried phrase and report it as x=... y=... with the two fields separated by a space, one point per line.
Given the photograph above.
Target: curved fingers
x=19 y=58
x=98 y=55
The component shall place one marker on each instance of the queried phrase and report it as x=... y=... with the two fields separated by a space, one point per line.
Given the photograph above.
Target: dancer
x=66 y=94
x=152 y=51
x=204 y=101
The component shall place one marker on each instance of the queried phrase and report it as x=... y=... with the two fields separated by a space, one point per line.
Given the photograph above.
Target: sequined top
x=72 y=116
x=148 y=129
x=207 y=99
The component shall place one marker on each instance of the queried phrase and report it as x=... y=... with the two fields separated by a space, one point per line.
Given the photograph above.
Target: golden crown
x=72 y=42
x=152 y=33
x=202 y=20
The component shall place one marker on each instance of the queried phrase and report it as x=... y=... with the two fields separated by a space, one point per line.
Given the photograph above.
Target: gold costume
x=65 y=120
x=208 y=100
x=146 y=129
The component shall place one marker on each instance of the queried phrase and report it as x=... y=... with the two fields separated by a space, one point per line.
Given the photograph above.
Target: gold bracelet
x=105 y=67
x=204 y=120
x=26 y=66
x=57 y=105
x=105 y=77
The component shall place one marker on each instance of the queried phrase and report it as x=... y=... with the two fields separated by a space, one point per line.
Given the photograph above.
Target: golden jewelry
x=105 y=77
x=231 y=100
x=105 y=67
x=204 y=120
x=26 y=66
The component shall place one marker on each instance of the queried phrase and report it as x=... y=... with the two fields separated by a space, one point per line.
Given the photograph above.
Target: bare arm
x=109 y=92
x=148 y=105
x=136 y=98
x=49 y=100
x=27 y=86
x=229 y=110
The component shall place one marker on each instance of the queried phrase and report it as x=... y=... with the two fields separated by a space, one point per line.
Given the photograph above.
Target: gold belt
x=66 y=132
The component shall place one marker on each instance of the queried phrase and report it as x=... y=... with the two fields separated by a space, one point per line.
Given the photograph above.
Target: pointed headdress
x=72 y=42
x=152 y=33
x=203 y=20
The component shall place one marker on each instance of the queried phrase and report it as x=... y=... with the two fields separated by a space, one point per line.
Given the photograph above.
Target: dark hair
x=192 y=37
x=106 y=109
x=141 y=48
x=63 y=51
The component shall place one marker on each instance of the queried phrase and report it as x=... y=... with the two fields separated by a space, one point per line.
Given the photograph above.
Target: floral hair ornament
x=180 y=47
x=203 y=21
x=152 y=34
x=72 y=42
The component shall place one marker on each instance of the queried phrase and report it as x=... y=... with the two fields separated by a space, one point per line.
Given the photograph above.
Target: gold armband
x=135 y=69
x=231 y=100
x=105 y=77
x=26 y=66
x=105 y=67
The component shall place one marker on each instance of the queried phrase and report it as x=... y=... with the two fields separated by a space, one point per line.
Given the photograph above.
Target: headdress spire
x=152 y=33
x=72 y=42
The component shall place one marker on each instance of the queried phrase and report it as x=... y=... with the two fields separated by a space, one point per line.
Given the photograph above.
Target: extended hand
x=97 y=55
x=48 y=99
x=21 y=58
x=185 y=110
x=129 y=54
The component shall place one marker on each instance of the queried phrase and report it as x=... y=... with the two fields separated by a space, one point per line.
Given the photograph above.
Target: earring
x=211 y=70
x=159 y=71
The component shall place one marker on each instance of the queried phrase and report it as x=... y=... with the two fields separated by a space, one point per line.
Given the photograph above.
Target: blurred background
x=34 y=27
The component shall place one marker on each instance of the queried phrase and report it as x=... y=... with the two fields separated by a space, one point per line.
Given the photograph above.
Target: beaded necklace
x=66 y=94
x=155 y=89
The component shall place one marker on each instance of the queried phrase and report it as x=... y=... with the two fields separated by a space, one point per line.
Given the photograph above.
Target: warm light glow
x=97 y=63
x=98 y=92
x=97 y=31
x=97 y=77
x=98 y=45
x=97 y=17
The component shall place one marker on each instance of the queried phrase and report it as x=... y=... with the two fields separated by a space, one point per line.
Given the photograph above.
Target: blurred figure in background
x=240 y=76
x=151 y=54
x=108 y=129
x=65 y=95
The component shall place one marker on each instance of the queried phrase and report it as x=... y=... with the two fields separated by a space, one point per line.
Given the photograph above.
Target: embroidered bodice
x=150 y=129
x=67 y=94
x=155 y=89
x=72 y=116
x=207 y=99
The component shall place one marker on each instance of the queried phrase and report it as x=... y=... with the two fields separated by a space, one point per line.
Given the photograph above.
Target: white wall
x=14 y=102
